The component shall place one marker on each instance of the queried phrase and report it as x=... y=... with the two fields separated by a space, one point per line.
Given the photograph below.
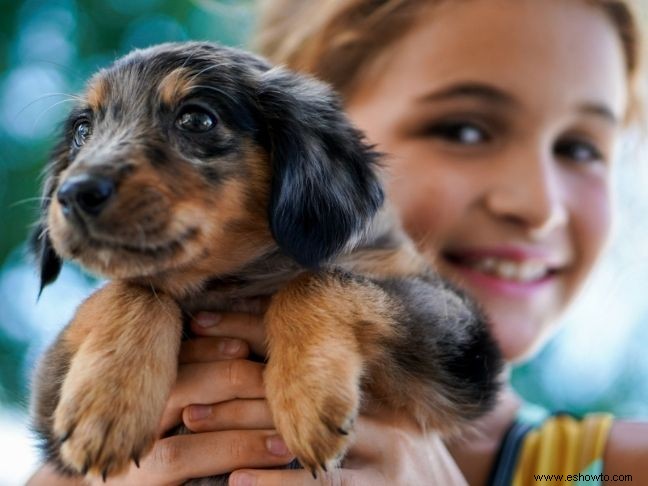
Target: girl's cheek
x=594 y=213
x=591 y=216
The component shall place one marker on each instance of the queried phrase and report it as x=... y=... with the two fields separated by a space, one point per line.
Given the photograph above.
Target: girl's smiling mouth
x=508 y=270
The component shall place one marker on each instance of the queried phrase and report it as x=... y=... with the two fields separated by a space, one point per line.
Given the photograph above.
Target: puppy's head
x=187 y=156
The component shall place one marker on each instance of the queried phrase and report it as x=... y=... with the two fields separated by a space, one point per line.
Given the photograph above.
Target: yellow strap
x=562 y=445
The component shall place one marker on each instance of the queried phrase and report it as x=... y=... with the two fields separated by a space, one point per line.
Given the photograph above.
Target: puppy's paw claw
x=62 y=439
x=99 y=440
x=321 y=437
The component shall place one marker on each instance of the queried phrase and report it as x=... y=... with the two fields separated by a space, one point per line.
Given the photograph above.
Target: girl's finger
x=235 y=414
x=181 y=457
x=236 y=378
x=207 y=349
x=241 y=325
x=301 y=477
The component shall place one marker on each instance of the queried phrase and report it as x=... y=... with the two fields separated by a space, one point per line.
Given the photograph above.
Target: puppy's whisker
x=48 y=109
x=189 y=57
x=217 y=90
x=162 y=304
x=68 y=69
x=69 y=97
x=29 y=199
x=43 y=233
x=208 y=68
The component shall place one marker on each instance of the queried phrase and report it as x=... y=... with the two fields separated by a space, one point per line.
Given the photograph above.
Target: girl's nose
x=528 y=192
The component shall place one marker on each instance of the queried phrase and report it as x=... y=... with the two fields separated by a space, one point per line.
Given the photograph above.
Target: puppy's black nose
x=87 y=193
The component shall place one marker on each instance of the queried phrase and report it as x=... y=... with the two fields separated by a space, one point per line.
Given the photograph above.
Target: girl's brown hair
x=337 y=40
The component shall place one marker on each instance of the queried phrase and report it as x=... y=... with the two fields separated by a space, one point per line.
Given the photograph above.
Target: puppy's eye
x=82 y=131
x=195 y=119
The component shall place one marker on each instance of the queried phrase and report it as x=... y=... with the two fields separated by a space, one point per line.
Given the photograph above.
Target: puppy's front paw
x=101 y=428
x=123 y=343
x=314 y=408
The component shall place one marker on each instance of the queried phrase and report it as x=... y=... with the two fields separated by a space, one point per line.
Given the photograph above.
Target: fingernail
x=199 y=412
x=208 y=319
x=242 y=479
x=230 y=346
x=277 y=446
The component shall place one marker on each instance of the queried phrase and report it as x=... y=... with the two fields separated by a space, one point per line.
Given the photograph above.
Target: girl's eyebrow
x=494 y=95
x=475 y=90
x=599 y=110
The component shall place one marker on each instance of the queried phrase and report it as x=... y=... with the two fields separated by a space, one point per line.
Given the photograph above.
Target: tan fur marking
x=175 y=85
x=115 y=391
x=403 y=261
x=321 y=331
x=97 y=92
x=233 y=226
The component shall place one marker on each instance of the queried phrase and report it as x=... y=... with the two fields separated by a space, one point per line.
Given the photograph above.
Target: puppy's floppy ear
x=40 y=243
x=50 y=263
x=324 y=182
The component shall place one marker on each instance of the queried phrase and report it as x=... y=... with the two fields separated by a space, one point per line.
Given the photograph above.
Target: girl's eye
x=82 y=131
x=195 y=119
x=459 y=132
x=578 y=151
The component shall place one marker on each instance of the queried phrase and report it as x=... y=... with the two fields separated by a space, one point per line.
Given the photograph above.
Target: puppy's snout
x=88 y=194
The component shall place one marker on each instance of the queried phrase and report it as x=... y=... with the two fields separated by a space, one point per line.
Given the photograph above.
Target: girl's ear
x=325 y=188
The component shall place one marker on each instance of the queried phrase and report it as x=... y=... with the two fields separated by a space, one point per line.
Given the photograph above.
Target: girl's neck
x=476 y=450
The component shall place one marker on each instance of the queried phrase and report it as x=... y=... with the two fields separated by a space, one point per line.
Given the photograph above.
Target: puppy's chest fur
x=383 y=250
x=232 y=292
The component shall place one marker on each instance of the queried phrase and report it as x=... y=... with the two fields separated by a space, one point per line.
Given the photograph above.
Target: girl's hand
x=219 y=395
x=388 y=450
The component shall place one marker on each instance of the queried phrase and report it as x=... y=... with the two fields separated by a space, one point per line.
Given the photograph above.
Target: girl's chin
x=520 y=335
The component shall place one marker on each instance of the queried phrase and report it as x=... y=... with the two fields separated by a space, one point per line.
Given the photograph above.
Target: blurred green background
x=49 y=48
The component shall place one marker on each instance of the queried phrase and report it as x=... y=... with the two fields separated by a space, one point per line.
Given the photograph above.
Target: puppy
x=198 y=170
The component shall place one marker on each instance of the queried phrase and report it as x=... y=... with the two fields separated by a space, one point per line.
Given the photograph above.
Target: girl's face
x=500 y=119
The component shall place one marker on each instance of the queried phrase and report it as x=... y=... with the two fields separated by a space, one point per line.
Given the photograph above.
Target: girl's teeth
x=507 y=270
x=486 y=265
x=510 y=270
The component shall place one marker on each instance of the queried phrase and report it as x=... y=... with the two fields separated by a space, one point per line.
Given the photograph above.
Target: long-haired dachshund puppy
x=193 y=169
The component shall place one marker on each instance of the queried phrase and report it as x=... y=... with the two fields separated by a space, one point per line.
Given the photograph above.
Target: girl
x=500 y=119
